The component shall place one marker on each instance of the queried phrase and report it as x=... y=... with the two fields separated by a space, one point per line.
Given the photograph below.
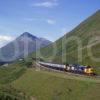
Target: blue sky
x=50 y=19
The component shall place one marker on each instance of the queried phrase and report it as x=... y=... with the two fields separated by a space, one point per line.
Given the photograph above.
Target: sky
x=50 y=19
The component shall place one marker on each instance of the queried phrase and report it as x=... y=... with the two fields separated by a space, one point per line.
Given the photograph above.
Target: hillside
x=7 y=75
x=22 y=47
x=43 y=85
x=67 y=48
x=18 y=81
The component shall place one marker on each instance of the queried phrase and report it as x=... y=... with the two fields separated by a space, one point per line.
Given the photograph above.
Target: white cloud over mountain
x=5 y=39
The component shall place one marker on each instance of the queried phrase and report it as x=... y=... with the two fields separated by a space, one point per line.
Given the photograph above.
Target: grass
x=44 y=85
x=11 y=72
x=23 y=83
x=9 y=93
x=7 y=75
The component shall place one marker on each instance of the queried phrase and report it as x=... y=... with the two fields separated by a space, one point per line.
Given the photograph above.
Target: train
x=74 y=68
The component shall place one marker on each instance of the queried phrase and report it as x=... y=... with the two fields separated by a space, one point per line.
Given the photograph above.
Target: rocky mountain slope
x=22 y=47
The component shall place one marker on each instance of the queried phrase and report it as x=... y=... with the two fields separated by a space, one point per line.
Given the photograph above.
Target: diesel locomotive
x=75 y=68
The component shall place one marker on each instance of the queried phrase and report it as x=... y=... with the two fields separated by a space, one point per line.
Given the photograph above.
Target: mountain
x=22 y=46
x=85 y=35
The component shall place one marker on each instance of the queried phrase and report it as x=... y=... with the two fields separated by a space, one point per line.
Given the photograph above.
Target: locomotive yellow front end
x=89 y=71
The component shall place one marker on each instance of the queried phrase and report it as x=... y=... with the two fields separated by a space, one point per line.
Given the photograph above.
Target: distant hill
x=68 y=53
x=22 y=47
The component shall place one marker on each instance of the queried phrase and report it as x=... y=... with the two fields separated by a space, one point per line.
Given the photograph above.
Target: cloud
x=50 y=21
x=29 y=19
x=5 y=39
x=46 y=4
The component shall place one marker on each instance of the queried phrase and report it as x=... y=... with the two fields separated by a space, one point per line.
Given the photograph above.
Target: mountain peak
x=27 y=34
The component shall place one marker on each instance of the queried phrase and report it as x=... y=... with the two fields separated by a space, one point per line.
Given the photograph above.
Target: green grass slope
x=17 y=82
x=11 y=72
x=9 y=93
x=43 y=85
x=7 y=75
x=87 y=30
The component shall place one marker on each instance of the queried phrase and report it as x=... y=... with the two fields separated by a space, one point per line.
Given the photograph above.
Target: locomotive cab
x=88 y=70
